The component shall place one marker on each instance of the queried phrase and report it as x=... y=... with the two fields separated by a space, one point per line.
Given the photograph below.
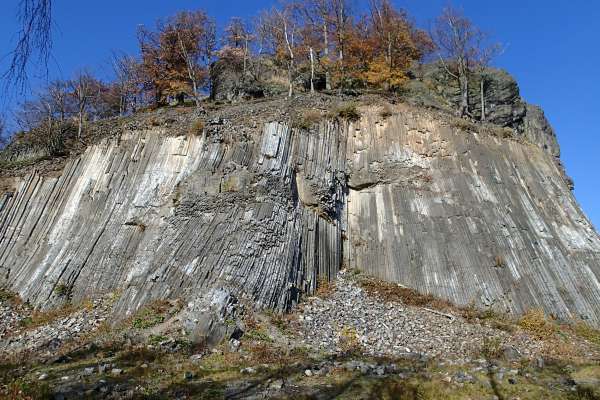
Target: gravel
x=393 y=329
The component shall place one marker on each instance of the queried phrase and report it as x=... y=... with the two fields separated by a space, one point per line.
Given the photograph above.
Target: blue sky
x=551 y=48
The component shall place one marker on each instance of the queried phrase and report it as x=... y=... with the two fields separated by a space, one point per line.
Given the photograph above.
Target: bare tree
x=83 y=88
x=277 y=31
x=3 y=140
x=239 y=35
x=127 y=81
x=34 y=39
x=461 y=46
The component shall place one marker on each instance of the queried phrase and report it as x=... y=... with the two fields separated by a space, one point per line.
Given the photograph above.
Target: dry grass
x=307 y=119
x=386 y=111
x=39 y=318
x=197 y=127
x=584 y=331
x=348 y=111
x=10 y=297
x=325 y=287
x=535 y=323
x=499 y=262
x=394 y=293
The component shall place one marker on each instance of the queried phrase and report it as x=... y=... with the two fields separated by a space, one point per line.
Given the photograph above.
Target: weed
x=491 y=348
x=62 y=290
x=499 y=262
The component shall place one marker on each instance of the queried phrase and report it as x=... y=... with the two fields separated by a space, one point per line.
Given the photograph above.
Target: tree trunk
x=291 y=63
x=463 y=80
x=245 y=59
x=312 y=71
x=80 y=125
x=482 y=94
x=326 y=52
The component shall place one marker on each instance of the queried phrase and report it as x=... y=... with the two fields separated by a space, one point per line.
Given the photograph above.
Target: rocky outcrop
x=433 y=87
x=265 y=214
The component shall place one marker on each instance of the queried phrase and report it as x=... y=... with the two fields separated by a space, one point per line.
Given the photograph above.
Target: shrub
x=348 y=111
x=491 y=348
x=348 y=340
x=535 y=322
x=307 y=119
x=62 y=290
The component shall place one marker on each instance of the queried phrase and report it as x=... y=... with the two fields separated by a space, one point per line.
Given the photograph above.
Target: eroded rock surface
x=264 y=213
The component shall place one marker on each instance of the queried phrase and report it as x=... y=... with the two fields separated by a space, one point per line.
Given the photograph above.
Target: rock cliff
x=260 y=209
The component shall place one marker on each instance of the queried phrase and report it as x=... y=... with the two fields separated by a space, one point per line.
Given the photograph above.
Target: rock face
x=409 y=198
x=433 y=87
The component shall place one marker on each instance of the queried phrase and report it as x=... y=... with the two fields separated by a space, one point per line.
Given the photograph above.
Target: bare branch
x=34 y=39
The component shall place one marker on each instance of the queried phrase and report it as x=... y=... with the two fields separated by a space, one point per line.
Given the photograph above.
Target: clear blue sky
x=552 y=50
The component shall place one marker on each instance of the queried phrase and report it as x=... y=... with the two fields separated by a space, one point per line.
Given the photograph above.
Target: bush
x=348 y=111
x=535 y=322
x=348 y=340
x=307 y=119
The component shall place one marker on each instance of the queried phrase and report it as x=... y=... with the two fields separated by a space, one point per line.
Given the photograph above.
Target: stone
x=188 y=375
x=88 y=370
x=277 y=384
x=308 y=373
x=462 y=198
x=43 y=377
x=510 y=353
x=116 y=371
x=248 y=370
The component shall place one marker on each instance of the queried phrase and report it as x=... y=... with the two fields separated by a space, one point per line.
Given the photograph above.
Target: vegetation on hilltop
x=299 y=46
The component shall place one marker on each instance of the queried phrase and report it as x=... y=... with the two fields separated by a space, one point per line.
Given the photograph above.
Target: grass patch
x=151 y=315
x=583 y=330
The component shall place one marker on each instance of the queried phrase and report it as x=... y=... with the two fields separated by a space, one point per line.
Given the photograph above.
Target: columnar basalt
x=410 y=198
